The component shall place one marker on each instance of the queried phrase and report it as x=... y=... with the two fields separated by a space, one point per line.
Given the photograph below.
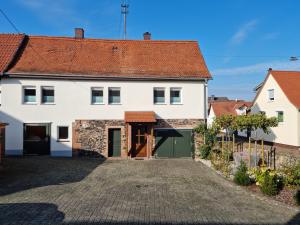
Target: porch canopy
x=140 y=117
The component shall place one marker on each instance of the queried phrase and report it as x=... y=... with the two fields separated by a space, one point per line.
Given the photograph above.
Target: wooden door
x=139 y=141
x=114 y=142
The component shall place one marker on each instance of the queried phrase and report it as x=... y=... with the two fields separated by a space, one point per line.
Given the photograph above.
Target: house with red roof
x=116 y=98
x=227 y=107
x=279 y=96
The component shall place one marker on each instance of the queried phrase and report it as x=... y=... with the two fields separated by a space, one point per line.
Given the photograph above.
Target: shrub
x=270 y=182
x=205 y=151
x=297 y=197
x=220 y=163
x=241 y=176
x=291 y=171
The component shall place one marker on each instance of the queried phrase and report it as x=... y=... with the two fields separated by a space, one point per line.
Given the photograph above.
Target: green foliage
x=209 y=134
x=220 y=162
x=269 y=181
x=254 y=121
x=224 y=121
x=241 y=177
x=290 y=169
x=205 y=151
x=297 y=197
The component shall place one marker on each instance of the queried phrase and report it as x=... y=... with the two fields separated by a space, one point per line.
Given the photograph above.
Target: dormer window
x=271 y=94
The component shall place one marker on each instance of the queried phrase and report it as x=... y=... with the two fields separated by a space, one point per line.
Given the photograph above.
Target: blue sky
x=240 y=39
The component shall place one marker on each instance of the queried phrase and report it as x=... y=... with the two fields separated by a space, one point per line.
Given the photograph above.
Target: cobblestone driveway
x=42 y=190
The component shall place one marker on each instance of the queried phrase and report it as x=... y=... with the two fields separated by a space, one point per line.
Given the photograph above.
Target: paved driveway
x=42 y=190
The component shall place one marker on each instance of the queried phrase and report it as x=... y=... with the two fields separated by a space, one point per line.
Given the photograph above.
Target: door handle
x=175 y=141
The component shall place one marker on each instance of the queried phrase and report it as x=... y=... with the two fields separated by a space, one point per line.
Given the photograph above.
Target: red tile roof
x=140 y=117
x=9 y=45
x=228 y=107
x=289 y=82
x=112 y=58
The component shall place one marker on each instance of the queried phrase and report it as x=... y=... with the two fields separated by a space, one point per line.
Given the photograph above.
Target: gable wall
x=286 y=132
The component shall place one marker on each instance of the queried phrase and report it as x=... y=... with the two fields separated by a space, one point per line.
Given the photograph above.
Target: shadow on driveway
x=44 y=213
x=22 y=173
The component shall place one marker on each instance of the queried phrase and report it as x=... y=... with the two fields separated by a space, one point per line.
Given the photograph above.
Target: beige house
x=279 y=96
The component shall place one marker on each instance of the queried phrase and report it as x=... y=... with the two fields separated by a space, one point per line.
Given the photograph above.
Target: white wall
x=287 y=132
x=73 y=101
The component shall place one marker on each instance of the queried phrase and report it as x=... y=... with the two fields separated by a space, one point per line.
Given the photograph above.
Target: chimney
x=79 y=33
x=147 y=36
x=270 y=69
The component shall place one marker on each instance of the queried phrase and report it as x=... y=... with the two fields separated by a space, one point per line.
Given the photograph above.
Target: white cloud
x=259 y=68
x=243 y=32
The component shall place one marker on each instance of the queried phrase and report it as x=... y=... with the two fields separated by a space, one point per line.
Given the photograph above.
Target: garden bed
x=286 y=195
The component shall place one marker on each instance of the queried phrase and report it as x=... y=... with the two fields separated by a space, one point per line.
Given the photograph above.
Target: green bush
x=205 y=151
x=241 y=177
x=291 y=171
x=270 y=182
x=297 y=197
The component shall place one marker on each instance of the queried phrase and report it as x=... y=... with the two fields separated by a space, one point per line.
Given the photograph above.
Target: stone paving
x=43 y=190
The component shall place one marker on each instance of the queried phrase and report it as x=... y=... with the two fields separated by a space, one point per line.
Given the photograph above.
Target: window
x=280 y=116
x=271 y=94
x=114 y=95
x=97 y=95
x=63 y=133
x=47 y=95
x=29 y=94
x=175 y=95
x=159 y=95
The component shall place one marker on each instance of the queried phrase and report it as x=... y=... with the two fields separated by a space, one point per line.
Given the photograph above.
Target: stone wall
x=92 y=136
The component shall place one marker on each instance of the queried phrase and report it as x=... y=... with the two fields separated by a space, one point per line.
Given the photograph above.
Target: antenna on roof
x=124 y=11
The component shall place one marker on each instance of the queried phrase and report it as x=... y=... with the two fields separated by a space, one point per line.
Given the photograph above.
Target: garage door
x=173 y=143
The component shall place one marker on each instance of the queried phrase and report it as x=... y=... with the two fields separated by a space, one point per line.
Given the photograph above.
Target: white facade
x=73 y=101
x=287 y=131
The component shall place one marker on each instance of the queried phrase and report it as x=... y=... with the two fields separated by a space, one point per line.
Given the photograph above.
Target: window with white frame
x=29 y=94
x=62 y=133
x=280 y=116
x=97 y=95
x=159 y=95
x=271 y=94
x=175 y=96
x=47 y=94
x=114 y=95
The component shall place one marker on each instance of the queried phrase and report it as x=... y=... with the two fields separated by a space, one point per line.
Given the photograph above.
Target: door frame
x=192 y=148
x=149 y=142
x=108 y=140
x=48 y=126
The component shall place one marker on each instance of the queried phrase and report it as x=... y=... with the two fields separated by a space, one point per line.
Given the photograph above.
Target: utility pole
x=124 y=11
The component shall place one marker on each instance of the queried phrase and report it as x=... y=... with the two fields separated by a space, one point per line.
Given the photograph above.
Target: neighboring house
x=279 y=96
x=118 y=98
x=230 y=107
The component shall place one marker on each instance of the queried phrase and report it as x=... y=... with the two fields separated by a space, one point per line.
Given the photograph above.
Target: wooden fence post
x=249 y=152
x=262 y=153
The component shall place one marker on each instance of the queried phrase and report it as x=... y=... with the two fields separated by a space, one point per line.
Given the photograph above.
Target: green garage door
x=173 y=143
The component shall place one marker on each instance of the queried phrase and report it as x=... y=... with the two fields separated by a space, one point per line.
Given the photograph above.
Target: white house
x=116 y=98
x=227 y=107
x=279 y=96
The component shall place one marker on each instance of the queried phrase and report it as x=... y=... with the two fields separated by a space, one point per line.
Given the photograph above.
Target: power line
x=9 y=21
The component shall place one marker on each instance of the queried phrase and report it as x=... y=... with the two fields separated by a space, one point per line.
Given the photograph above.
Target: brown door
x=139 y=141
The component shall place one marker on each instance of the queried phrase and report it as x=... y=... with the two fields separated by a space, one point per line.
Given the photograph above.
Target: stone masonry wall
x=92 y=136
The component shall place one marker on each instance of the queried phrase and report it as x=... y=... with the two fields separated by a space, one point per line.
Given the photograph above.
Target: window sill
x=114 y=104
x=48 y=103
x=63 y=140
x=160 y=103
x=97 y=104
x=29 y=103
x=176 y=103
